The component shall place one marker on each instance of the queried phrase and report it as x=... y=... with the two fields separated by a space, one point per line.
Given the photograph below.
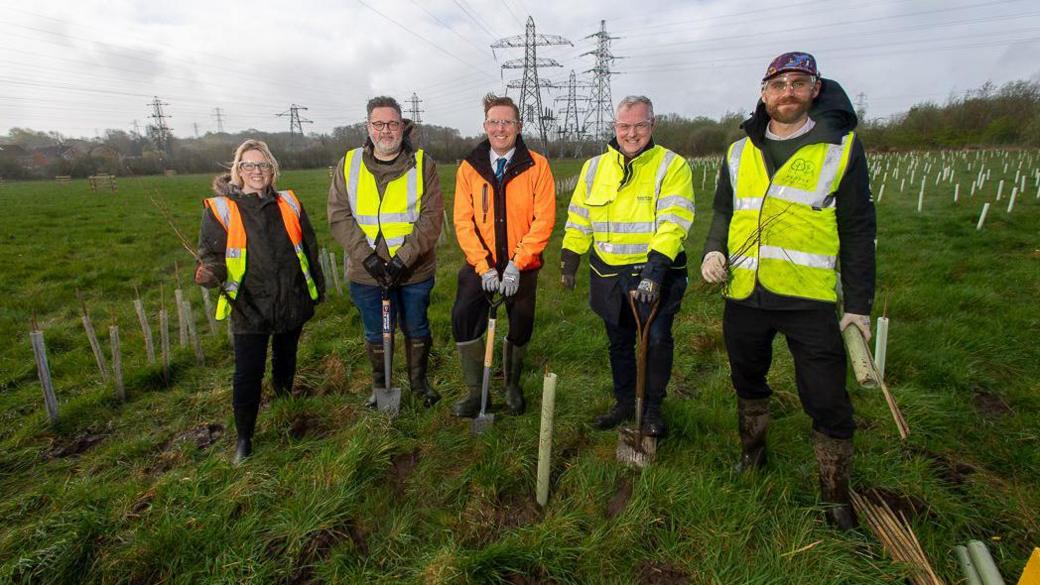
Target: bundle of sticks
x=896 y=536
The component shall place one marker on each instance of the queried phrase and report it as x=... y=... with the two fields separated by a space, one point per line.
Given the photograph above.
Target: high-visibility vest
x=396 y=212
x=652 y=211
x=784 y=231
x=227 y=213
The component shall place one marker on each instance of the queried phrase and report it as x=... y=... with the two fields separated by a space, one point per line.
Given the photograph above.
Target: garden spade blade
x=485 y=419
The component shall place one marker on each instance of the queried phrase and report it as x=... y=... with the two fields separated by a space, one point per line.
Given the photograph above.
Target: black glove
x=375 y=266
x=395 y=269
x=648 y=291
x=569 y=261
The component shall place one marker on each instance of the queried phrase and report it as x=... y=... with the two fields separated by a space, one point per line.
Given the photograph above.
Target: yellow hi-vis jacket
x=227 y=213
x=394 y=214
x=624 y=219
x=784 y=230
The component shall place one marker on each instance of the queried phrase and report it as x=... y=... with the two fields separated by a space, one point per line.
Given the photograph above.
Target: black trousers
x=621 y=337
x=250 y=359
x=469 y=314
x=819 y=360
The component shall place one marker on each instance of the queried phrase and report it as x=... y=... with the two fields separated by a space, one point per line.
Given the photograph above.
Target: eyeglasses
x=252 y=166
x=640 y=127
x=799 y=85
x=501 y=123
x=393 y=125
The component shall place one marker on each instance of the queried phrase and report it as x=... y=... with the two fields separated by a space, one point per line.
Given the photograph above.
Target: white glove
x=489 y=281
x=713 y=268
x=861 y=321
x=510 y=279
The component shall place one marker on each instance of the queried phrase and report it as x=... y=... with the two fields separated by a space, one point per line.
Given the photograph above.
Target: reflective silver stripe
x=662 y=170
x=355 y=170
x=624 y=227
x=680 y=221
x=367 y=219
x=391 y=242
x=578 y=210
x=590 y=174
x=233 y=252
x=734 y=163
x=796 y=257
x=412 y=214
x=291 y=201
x=576 y=226
x=744 y=263
x=231 y=286
x=622 y=248
x=223 y=211
x=396 y=218
x=747 y=203
x=675 y=201
x=794 y=195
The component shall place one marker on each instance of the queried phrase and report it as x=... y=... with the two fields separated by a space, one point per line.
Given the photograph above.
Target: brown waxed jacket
x=494 y=222
x=419 y=249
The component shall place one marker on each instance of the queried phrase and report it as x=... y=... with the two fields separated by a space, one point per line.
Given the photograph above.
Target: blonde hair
x=261 y=147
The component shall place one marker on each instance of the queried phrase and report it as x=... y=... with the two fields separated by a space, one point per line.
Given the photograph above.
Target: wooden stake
x=545 y=437
x=182 y=323
x=335 y=274
x=146 y=330
x=43 y=371
x=117 y=362
x=207 y=305
x=99 y=356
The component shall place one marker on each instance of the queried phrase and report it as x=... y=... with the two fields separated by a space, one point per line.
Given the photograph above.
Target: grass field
x=143 y=492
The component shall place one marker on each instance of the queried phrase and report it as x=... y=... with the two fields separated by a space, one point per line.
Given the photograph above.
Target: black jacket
x=273 y=297
x=854 y=206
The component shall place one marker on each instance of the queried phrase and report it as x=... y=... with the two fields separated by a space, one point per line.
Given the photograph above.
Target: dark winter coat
x=273 y=297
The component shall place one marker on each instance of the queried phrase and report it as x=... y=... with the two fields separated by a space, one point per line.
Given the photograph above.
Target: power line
x=601 y=107
x=415 y=114
x=470 y=13
x=295 y=122
x=159 y=130
x=218 y=113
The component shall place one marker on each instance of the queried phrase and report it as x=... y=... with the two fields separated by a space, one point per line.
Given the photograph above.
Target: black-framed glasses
x=252 y=166
x=393 y=125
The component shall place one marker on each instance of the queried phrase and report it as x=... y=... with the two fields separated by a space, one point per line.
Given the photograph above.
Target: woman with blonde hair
x=257 y=246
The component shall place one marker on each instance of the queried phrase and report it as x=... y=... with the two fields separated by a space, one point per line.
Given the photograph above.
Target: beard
x=387 y=147
x=789 y=115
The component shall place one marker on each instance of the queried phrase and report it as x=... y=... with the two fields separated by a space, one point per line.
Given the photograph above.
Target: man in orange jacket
x=505 y=208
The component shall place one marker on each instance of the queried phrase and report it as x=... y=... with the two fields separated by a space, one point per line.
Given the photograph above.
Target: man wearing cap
x=632 y=207
x=385 y=209
x=505 y=208
x=793 y=204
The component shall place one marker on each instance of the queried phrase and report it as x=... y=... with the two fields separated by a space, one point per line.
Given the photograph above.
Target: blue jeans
x=410 y=301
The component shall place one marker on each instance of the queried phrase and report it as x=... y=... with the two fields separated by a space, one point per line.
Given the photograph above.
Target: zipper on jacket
x=484 y=196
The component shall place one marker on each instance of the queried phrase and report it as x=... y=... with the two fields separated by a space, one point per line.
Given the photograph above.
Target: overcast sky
x=82 y=66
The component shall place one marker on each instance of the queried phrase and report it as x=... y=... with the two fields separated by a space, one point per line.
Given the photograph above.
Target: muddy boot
x=618 y=414
x=835 y=459
x=653 y=421
x=245 y=424
x=418 y=358
x=752 y=422
x=513 y=364
x=471 y=354
x=375 y=359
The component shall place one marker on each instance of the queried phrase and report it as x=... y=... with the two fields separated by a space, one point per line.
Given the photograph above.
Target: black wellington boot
x=471 y=355
x=752 y=423
x=835 y=459
x=245 y=424
x=513 y=364
x=418 y=357
x=375 y=360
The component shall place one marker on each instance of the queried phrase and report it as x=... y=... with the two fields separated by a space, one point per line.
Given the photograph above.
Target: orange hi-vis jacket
x=509 y=220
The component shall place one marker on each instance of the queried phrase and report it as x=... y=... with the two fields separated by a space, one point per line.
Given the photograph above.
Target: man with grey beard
x=385 y=209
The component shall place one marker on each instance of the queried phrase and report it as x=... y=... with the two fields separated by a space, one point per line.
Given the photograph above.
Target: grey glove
x=489 y=281
x=647 y=291
x=510 y=279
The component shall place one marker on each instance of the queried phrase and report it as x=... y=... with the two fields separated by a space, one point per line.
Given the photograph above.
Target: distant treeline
x=985 y=117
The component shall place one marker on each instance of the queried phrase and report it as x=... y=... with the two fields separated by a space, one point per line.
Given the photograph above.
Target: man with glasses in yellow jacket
x=792 y=204
x=632 y=207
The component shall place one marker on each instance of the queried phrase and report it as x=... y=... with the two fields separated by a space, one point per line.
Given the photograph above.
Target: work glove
x=489 y=281
x=375 y=266
x=204 y=276
x=395 y=269
x=861 y=321
x=713 y=267
x=569 y=261
x=648 y=291
x=510 y=279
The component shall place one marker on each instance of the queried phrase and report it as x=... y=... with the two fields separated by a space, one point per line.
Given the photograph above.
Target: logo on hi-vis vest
x=800 y=174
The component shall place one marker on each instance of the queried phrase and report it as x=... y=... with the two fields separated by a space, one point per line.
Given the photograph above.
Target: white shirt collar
x=495 y=156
